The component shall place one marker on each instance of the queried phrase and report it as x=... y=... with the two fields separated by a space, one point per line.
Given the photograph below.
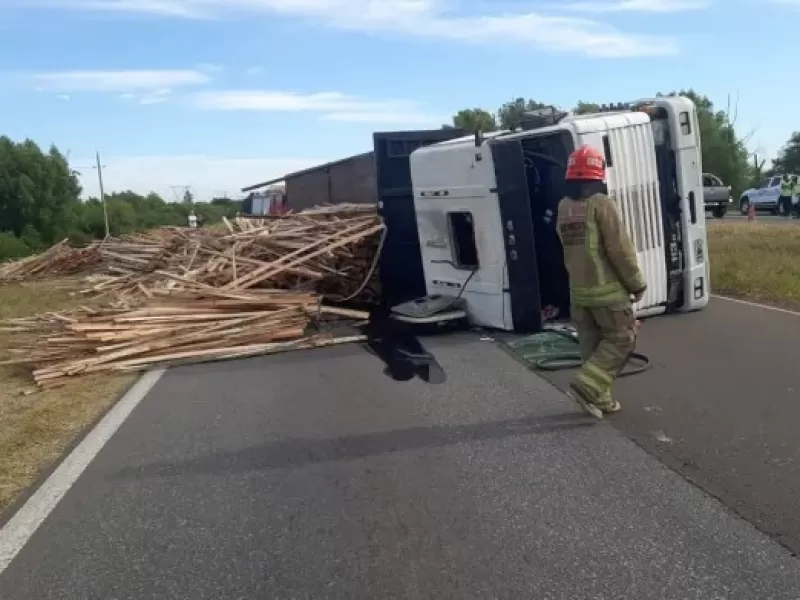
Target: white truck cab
x=483 y=211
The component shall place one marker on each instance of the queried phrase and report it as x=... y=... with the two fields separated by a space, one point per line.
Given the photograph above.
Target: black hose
x=572 y=360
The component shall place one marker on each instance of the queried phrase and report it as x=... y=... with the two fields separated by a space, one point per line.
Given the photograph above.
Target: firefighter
x=785 y=199
x=605 y=280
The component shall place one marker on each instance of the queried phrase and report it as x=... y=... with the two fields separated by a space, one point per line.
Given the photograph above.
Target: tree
x=510 y=114
x=11 y=246
x=724 y=153
x=757 y=173
x=188 y=197
x=585 y=108
x=475 y=119
x=40 y=204
x=788 y=159
x=37 y=191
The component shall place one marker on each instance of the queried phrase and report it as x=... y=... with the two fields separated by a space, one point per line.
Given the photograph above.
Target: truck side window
x=607 y=151
x=683 y=119
x=462 y=238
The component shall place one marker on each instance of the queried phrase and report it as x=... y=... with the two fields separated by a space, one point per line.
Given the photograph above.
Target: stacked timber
x=332 y=253
x=327 y=249
x=177 y=329
x=59 y=260
x=175 y=295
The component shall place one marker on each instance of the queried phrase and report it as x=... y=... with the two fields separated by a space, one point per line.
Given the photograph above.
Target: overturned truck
x=470 y=219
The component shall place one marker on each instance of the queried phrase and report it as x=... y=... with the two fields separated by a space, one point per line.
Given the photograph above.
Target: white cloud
x=156 y=96
x=188 y=9
x=64 y=97
x=211 y=67
x=278 y=100
x=557 y=34
x=333 y=106
x=254 y=70
x=209 y=176
x=117 y=81
x=647 y=6
x=436 y=19
x=388 y=118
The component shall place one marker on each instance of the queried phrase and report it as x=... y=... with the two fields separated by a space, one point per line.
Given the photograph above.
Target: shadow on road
x=401 y=351
x=294 y=453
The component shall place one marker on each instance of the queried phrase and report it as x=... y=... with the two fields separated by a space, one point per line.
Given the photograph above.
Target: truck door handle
x=692 y=208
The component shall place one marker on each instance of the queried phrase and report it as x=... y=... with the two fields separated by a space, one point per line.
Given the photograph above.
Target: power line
x=183 y=191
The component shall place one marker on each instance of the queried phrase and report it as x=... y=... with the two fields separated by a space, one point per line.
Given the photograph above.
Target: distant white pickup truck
x=716 y=195
x=764 y=197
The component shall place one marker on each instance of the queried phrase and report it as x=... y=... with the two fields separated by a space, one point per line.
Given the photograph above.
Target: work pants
x=607 y=338
x=785 y=206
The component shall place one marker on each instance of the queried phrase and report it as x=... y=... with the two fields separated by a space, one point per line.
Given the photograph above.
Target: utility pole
x=102 y=192
x=99 y=168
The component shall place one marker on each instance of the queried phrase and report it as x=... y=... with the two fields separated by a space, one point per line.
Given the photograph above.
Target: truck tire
x=744 y=205
x=719 y=211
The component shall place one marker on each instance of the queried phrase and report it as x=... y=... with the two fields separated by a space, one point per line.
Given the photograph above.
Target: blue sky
x=219 y=94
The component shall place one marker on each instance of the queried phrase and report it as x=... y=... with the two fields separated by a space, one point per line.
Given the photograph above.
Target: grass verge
x=756 y=261
x=35 y=429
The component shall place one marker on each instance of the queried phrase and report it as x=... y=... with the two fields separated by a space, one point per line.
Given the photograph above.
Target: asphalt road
x=316 y=475
x=722 y=407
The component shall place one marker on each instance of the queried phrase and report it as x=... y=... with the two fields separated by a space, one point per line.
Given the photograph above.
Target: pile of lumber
x=175 y=295
x=58 y=261
x=331 y=252
x=176 y=329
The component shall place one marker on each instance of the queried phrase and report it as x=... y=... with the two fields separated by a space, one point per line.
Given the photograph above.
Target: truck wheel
x=719 y=211
x=744 y=205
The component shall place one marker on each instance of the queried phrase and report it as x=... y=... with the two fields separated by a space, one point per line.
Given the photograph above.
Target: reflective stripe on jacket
x=598 y=252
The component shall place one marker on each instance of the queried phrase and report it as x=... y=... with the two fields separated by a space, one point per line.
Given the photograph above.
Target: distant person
x=785 y=199
x=192 y=220
x=604 y=279
x=796 y=198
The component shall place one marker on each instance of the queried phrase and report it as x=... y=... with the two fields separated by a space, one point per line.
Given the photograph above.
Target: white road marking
x=27 y=519
x=757 y=305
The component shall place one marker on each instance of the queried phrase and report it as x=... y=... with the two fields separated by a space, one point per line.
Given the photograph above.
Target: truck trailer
x=471 y=218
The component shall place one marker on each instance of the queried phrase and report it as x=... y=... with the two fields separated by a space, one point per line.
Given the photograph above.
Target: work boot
x=613 y=407
x=581 y=400
x=608 y=405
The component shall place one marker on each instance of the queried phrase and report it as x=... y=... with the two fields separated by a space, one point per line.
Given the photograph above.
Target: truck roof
x=577 y=123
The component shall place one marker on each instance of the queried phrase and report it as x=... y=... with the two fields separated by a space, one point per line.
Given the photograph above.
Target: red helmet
x=586 y=163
